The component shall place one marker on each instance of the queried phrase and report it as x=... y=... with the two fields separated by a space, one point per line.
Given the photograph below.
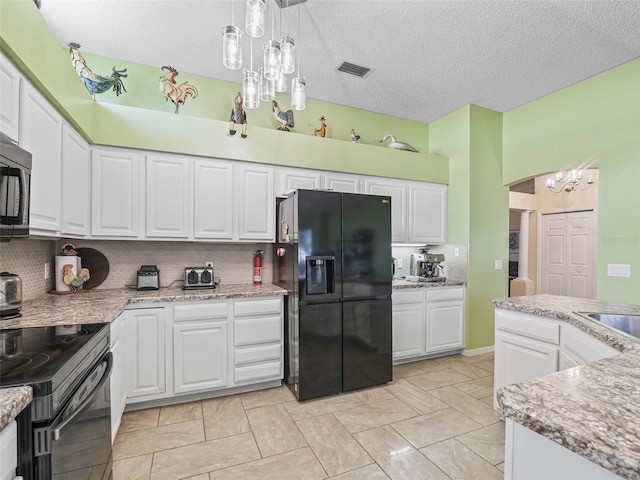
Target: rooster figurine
x=354 y=136
x=239 y=116
x=71 y=280
x=96 y=83
x=322 y=131
x=176 y=93
x=285 y=119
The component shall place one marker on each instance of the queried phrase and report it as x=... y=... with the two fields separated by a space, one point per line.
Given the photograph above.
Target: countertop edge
x=12 y=401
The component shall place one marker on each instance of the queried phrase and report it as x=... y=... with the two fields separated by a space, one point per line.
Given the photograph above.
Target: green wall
x=595 y=123
x=478 y=207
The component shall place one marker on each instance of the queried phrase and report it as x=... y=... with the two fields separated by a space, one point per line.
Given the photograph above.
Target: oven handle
x=58 y=427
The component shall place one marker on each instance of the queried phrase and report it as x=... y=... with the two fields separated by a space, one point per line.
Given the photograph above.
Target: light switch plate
x=619 y=270
x=47 y=271
x=456 y=252
x=400 y=263
x=498 y=264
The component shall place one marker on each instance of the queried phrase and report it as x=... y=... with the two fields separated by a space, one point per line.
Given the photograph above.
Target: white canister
x=61 y=269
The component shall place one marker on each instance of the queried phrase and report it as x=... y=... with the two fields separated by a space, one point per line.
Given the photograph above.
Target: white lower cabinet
x=118 y=381
x=9 y=451
x=200 y=346
x=197 y=347
x=145 y=328
x=427 y=321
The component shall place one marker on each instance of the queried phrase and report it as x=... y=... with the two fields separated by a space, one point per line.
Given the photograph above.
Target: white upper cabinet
x=397 y=190
x=10 y=79
x=213 y=199
x=169 y=196
x=341 y=182
x=427 y=213
x=76 y=184
x=41 y=135
x=115 y=189
x=290 y=179
x=256 y=203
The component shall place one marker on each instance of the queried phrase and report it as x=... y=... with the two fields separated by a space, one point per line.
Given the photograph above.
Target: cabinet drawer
x=437 y=294
x=583 y=347
x=200 y=311
x=249 y=331
x=528 y=325
x=262 y=371
x=415 y=295
x=258 y=354
x=257 y=307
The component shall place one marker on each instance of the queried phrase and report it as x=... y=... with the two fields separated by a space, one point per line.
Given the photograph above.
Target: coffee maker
x=427 y=266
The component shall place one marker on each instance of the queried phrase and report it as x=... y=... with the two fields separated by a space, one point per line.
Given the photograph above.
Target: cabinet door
x=290 y=179
x=427 y=213
x=76 y=183
x=9 y=98
x=200 y=356
x=408 y=330
x=256 y=203
x=444 y=326
x=169 y=196
x=518 y=359
x=115 y=193
x=213 y=200
x=340 y=182
x=398 y=192
x=146 y=352
x=118 y=380
x=41 y=134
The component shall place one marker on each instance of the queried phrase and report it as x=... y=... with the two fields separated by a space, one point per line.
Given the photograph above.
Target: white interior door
x=568 y=259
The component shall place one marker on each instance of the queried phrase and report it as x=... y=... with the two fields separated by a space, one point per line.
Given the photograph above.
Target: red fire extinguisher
x=257 y=267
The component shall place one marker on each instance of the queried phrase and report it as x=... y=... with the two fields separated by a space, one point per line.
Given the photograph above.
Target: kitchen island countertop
x=103 y=306
x=12 y=401
x=593 y=409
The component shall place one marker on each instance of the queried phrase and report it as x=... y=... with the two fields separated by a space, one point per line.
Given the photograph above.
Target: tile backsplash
x=232 y=263
x=455 y=267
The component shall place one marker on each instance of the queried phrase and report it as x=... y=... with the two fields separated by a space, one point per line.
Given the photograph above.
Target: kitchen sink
x=620 y=322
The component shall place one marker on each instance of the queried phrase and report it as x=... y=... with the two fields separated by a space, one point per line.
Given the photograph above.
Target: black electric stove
x=52 y=360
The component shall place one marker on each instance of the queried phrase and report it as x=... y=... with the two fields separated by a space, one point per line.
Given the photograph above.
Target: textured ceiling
x=429 y=57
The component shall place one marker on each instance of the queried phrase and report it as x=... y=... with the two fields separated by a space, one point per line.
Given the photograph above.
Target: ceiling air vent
x=355 y=70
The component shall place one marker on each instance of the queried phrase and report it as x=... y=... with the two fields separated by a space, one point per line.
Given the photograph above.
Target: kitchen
x=471 y=203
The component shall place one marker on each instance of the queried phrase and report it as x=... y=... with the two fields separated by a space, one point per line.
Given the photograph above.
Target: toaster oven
x=198 y=277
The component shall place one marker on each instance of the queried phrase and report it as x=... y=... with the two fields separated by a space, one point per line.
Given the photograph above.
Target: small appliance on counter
x=427 y=266
x=10 y=295
x=198 y=277
x=148 y=278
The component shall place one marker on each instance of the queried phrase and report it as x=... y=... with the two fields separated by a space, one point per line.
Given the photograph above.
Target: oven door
x=77 y=442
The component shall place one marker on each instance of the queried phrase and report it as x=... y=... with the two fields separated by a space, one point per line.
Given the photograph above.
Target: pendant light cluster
x=279 y=57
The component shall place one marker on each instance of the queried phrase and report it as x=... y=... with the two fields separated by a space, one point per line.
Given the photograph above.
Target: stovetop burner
x=22 y=363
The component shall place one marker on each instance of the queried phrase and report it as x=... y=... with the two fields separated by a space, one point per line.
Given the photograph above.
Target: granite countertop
x=102 y=306
x=401 y=283
x=594 y=409
x=12 y=401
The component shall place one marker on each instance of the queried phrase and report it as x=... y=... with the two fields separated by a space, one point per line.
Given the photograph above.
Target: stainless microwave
x=15 y=183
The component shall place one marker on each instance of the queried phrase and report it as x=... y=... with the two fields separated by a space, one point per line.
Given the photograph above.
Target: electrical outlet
x=208 y=264
x=498 y=264
x=399 y=262
x=618 y=270
x=456 y=252
x=47 y=271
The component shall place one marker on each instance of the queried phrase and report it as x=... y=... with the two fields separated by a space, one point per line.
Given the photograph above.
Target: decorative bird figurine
x=322 y=131
x=96 y=83
x=285 y=119
x=176 y=93
x=398 y=145
x=239 y=116
x=71 y=280
x=354 y=137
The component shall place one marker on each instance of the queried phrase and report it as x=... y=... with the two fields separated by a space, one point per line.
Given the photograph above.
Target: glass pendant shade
x=288 y=52
x=298 y=93
x=231 y=48
x=280 y=83
x=267 y=88
x=251 y=89
x=254 y=18
x=271 y=59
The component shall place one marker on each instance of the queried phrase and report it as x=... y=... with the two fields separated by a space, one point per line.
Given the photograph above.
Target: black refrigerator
x=334 y=258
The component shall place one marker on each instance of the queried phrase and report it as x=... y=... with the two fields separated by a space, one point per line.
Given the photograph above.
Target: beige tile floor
x=434 y=421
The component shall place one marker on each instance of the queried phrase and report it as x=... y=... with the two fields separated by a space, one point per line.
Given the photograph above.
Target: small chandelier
x=231 y=47
x=254 y=18
x=568 y=181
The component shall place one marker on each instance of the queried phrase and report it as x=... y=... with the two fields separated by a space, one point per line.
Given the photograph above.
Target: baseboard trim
x=478 y=351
